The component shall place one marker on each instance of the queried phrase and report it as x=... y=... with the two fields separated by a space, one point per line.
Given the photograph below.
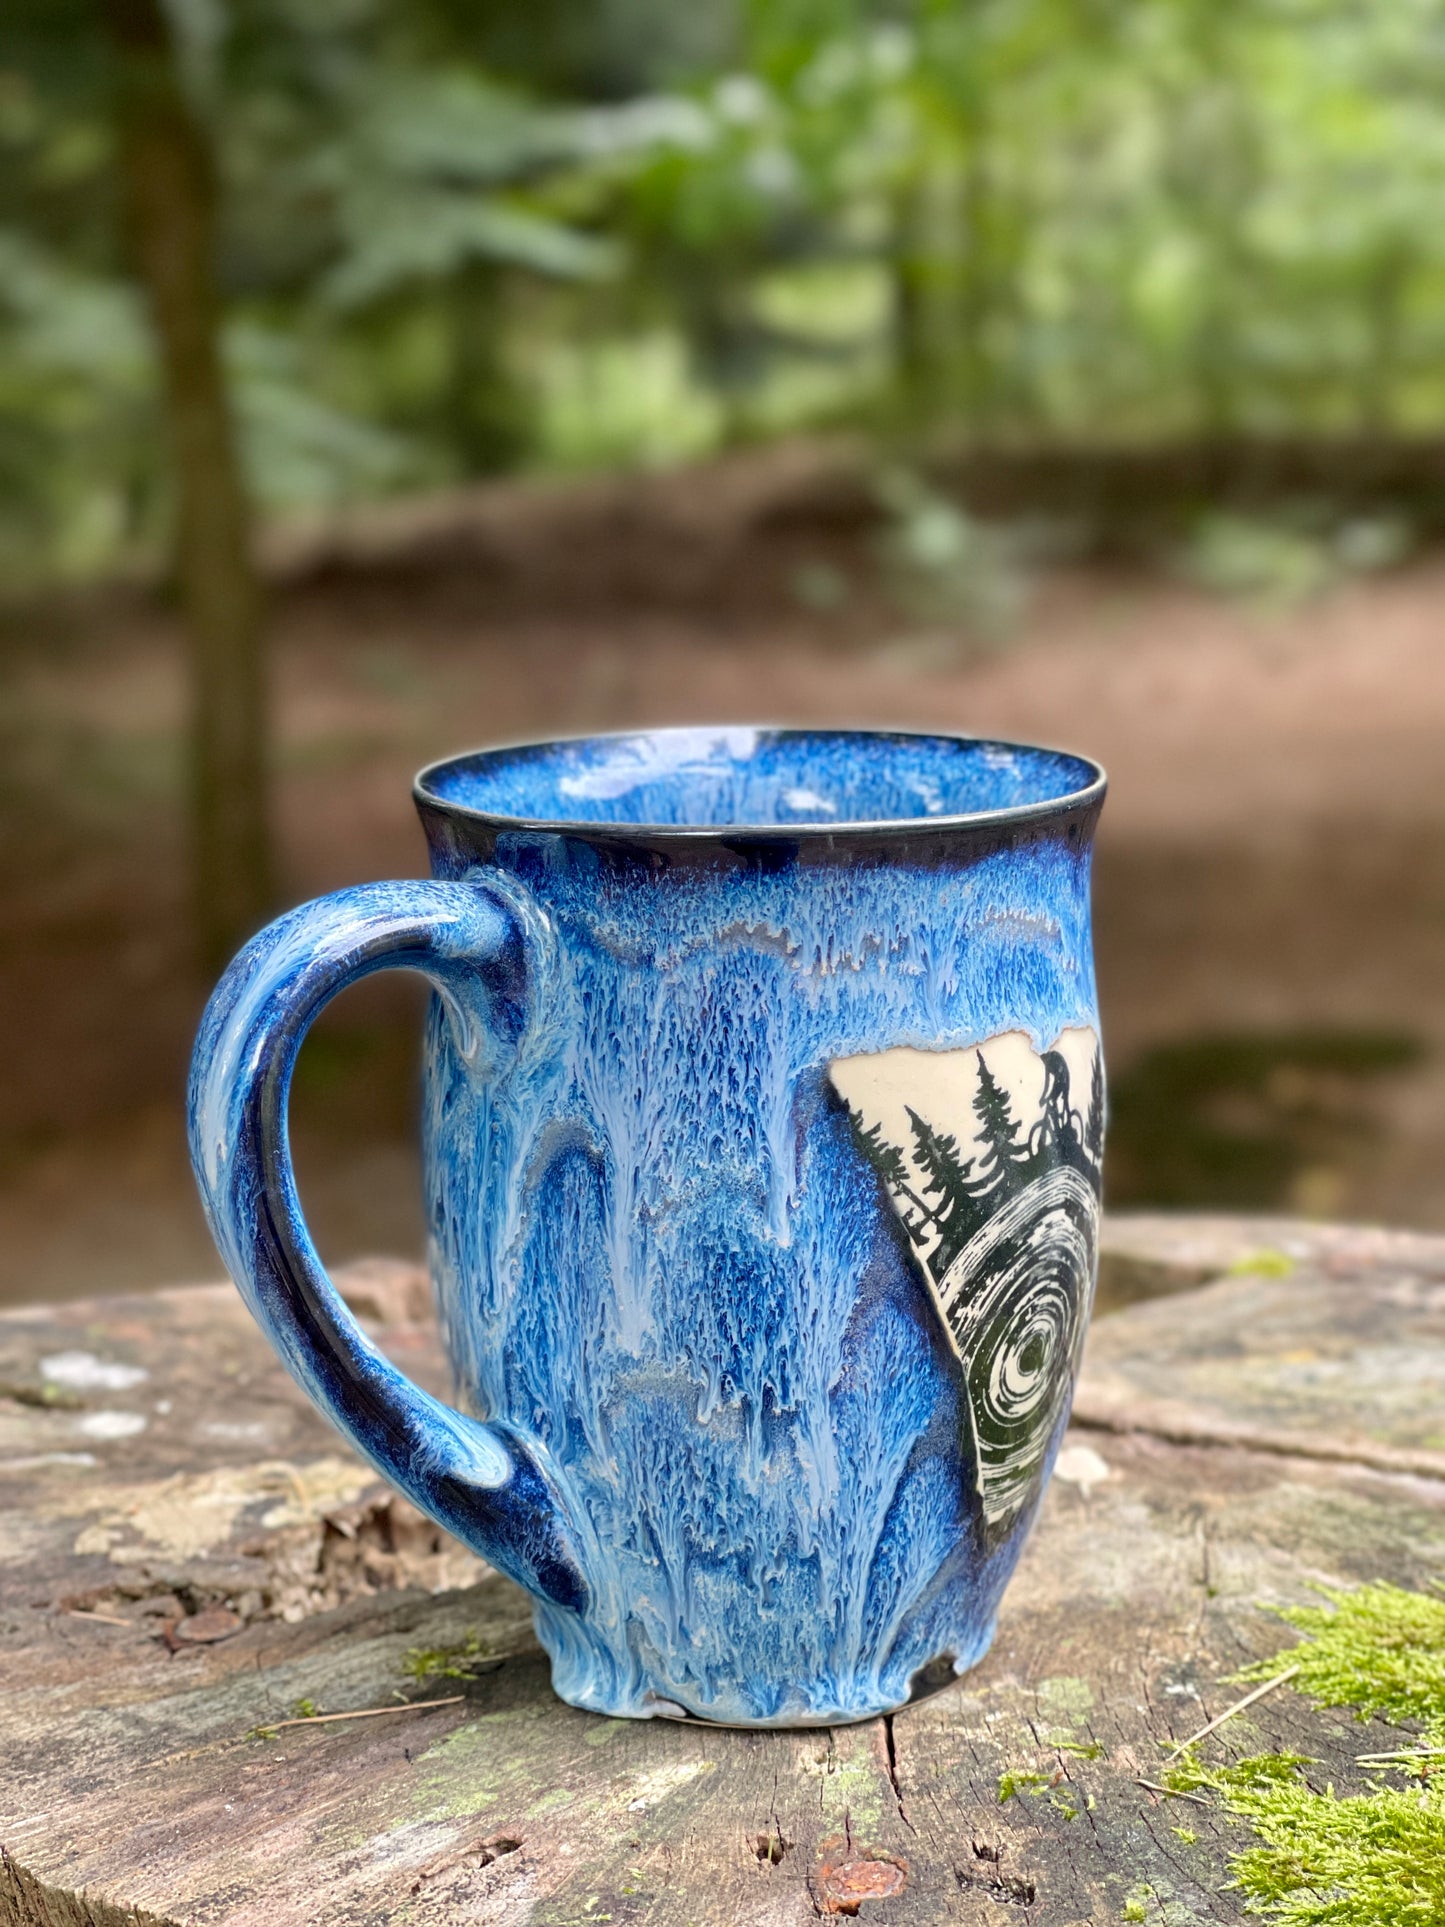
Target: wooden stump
x=189 y=1559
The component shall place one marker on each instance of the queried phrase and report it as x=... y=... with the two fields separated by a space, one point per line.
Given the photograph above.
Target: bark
x=174 y=1593
x=168 y=185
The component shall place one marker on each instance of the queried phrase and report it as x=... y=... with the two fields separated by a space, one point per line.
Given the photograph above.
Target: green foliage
x=460 y=1661
x=1241 y=1120
x=942 y=564
x=1277 y=563
x=458 y=238
x=1054 y=1787
x=75 y=402
x=1010 y=1785
x=1372 y=1859
x=1379 y=1649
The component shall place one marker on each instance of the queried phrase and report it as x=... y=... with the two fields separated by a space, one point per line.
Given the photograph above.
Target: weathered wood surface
x=1238 y=1442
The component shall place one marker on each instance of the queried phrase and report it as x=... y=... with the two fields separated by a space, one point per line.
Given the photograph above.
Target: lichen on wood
x=136 y=1787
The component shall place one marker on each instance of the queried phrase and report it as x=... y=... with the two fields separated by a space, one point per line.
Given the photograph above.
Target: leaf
x=418 y=239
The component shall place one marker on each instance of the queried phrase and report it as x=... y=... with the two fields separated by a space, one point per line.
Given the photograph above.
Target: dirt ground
x=1270 y=895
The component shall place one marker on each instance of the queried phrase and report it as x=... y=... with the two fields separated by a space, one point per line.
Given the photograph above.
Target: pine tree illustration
x=1004 y=1165
x=946 y=1180
x=891 y=1165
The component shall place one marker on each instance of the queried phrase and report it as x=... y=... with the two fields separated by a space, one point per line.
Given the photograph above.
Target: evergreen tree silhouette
x=1004 y=1165
x=891 y=1165
x=942 y=1195
x=946 y=1180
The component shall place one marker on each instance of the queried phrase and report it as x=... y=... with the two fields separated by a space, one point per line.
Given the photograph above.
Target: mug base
x=927 y=1680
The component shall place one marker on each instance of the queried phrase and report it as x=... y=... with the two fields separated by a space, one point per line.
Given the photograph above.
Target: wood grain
x=1239 y=1442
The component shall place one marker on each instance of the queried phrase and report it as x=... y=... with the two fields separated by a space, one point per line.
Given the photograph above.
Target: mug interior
x=734 y=778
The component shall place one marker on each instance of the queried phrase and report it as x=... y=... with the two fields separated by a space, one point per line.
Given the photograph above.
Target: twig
x=100 y=1619
x=1401 y=1753
x=1238 y=1707
x=1175 y=1793
x=364 y=1713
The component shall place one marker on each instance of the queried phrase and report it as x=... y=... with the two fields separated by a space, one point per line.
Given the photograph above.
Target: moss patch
x=1055 y=1787
x=1372 y=1859
x=462 y=1661
x=1380 y=1650
x=1262 y=1264
x=1010 y=1785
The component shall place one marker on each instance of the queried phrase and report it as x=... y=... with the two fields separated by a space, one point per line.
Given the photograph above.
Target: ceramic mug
x=763 y=1119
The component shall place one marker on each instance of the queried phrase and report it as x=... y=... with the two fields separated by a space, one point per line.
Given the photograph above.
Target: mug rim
x=1090 y=795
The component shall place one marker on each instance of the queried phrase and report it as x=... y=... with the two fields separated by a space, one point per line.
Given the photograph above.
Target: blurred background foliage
x=1064 y=369
x=458 y=238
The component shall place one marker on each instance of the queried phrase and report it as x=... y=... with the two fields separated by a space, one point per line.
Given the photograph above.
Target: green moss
x=1262 y=1264
x=1059 y=1791
x=1379 y=1649
x=1012 y=1784
x=1371 y=1859
x=447 y=1662
x=1157 y=1902
x=302 y=1709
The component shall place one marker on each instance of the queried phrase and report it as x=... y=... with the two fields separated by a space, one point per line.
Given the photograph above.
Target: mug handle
x=484 y=1481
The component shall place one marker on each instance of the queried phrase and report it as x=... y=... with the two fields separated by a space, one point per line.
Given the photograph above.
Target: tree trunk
x=976 y=294
x=914 y=354
x=485 y=412
x=169 y=194
x=1384 y=294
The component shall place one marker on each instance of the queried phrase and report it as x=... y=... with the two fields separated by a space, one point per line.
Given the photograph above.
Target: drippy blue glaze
x=715 y=1420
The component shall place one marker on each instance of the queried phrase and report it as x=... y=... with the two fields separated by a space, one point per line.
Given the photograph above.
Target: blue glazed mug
x=763 y=1122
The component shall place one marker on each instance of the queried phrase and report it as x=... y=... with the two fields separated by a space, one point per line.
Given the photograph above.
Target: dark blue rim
x=1017 y=816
